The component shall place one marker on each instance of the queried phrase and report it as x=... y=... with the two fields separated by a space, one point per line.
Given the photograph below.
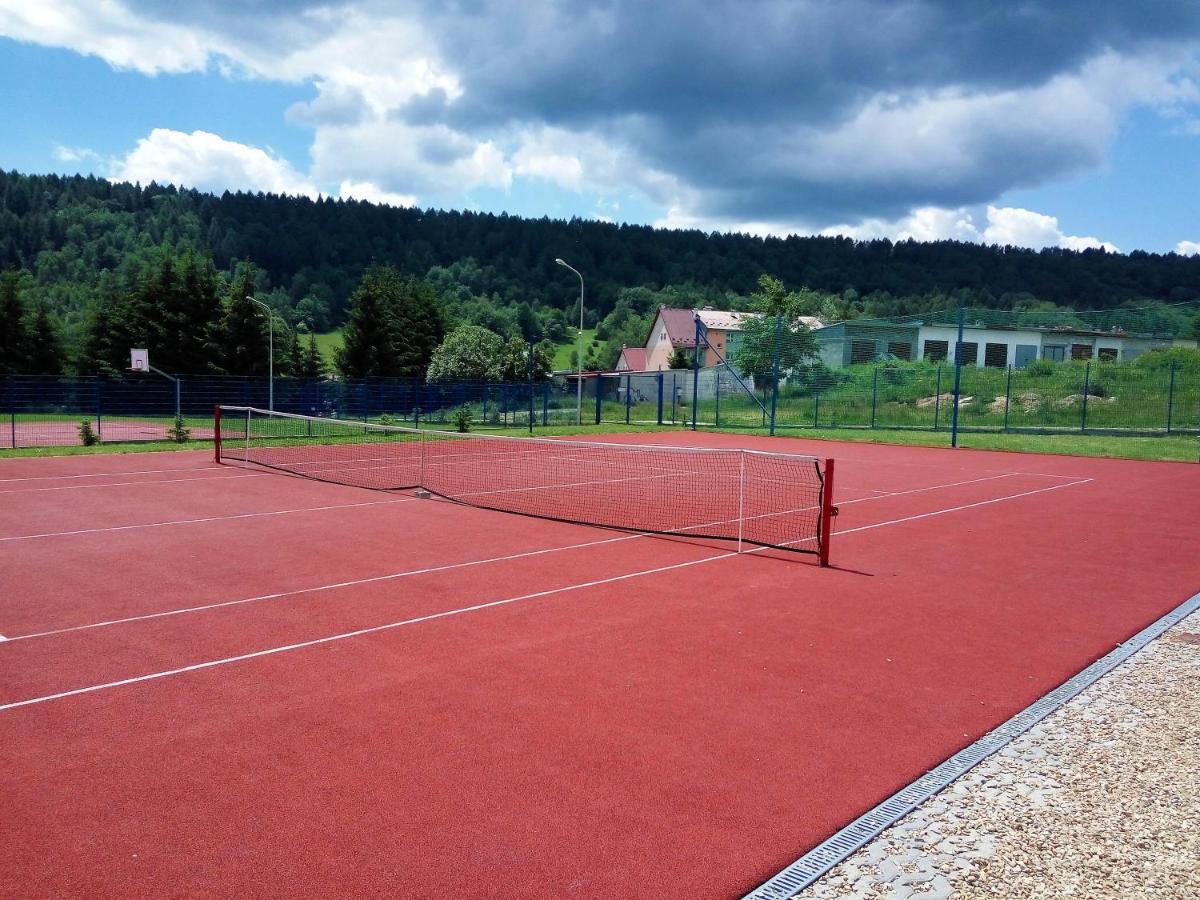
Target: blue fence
x=50 y=410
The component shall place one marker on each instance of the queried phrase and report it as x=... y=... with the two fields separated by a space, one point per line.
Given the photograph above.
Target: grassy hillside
x=562 y=352
x=328 y=343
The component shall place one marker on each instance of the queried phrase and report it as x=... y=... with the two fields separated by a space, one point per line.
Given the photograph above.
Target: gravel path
x=1101 y=799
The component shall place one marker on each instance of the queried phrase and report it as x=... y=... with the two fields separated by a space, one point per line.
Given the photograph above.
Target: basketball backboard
x=139 y=360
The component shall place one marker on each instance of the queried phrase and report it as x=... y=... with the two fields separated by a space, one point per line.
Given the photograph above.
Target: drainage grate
x=819 y=860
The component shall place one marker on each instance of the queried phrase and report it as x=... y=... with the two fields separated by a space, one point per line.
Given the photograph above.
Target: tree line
x=91 y=262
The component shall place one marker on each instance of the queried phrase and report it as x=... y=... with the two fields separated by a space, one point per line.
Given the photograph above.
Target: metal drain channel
x=820 y=859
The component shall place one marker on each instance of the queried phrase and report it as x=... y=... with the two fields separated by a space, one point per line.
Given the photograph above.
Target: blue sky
x=1059 y=124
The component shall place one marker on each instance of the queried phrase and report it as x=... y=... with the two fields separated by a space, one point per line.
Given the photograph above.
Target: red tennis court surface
x=224 y=681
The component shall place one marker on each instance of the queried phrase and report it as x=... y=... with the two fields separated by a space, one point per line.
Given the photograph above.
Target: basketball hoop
x=139 y=360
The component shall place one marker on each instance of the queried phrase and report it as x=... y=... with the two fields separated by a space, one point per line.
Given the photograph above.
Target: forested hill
x=79 y=243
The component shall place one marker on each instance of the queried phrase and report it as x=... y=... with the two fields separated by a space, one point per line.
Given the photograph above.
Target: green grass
x=1180 y=448
x=329 y=343
x=562 y=352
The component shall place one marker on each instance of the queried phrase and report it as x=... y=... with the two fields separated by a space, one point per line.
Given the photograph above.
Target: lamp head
x=560 y=262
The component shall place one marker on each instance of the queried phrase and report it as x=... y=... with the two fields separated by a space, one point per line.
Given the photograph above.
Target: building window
x=862 y=351
x=1107 y=354
x=1054 y=352
x=937 y=350
x=1081 y=351
x=968 y=353
x=900 y=349
x=995 y=355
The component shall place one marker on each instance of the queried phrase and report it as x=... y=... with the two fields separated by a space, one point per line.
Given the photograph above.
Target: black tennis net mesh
x=767 y=499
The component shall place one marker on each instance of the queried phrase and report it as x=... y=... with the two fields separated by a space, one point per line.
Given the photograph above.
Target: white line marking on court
x=212 y=663
x=2 y=639
x=391 y=576
x=481 y=606
x=942 y=512
x=273 y=512
x=111 y=474
x=883 y=495
x=80 y=487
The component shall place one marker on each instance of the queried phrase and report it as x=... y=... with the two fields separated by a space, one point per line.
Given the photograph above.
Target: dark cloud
x=730 y=95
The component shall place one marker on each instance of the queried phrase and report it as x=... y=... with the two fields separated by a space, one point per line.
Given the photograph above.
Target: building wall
x=1053 y=345
x=658 y=346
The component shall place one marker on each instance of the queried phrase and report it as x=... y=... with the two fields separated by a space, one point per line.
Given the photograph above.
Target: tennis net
x=752 y=497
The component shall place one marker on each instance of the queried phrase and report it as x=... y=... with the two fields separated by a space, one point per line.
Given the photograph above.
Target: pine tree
x=311 y=363
x=243 y=332
x=14 y=341
x=191 y=315
x=417 y=328
x=367 y=337
x=45 y=349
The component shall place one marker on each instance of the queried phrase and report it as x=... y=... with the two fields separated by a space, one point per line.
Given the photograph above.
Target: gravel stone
x=1100 y=799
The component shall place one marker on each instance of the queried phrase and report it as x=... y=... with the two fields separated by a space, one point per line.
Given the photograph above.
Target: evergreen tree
x=367 y=337
x=45 y=349
x=243 y=333
x=14 y=341
x=191 y=314
x=394 y=327
x=311 y=363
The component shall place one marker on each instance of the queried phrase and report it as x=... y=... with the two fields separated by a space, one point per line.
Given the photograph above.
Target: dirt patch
x=942 y=400
x=1076 y=399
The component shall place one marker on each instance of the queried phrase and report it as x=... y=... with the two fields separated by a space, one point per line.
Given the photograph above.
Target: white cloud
x=75 y=154
x=209 y=162
x=1188 y=248
x=365 y=190
x=1025 y=228
x=1008 y=225
x=109 y=30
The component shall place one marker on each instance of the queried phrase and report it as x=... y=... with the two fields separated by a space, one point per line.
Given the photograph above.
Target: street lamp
x=270 y=353
x=578 y=349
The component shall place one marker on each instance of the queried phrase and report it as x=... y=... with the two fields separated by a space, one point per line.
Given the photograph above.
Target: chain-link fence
x=1014 y=371
x=43 y=411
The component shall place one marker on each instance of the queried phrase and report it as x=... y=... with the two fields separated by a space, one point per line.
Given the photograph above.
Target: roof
x=635 y=358
x=680 y=324
x=725 y=320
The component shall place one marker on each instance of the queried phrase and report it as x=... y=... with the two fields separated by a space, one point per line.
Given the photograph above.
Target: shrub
x=462 y=419
x=386 y=419
x=178 y=431
x=87 y=435
x=1041 y=368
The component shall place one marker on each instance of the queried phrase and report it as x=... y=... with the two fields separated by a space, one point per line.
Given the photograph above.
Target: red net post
x=828 y=511
x=217 y=433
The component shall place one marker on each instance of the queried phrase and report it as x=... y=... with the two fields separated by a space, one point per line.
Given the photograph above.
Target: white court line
x=391 y=576
x=883 y=495
x=359 y=633
x=481 y=606
x=110 y=474
x=942 y=512
x=273 y=512
x=80 y=487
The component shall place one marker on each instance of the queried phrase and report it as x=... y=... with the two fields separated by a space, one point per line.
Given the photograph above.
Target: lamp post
x=270 y=353
x=578 y=350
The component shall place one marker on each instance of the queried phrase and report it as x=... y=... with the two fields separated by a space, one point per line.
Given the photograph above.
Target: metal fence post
x=958 y=355
x=1087 y=375
x=1170 y=399
x=696 y=374
x=874 y=392
x=99 y=402
x=178 y=405
x=937 y=399
x=775 y=369
x=717 y=397
x=1007 y=396
x=599 y=396
x=816 y=409
x=12 y=409
x=628 y=396
x=660 y=395
x=545 y=403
